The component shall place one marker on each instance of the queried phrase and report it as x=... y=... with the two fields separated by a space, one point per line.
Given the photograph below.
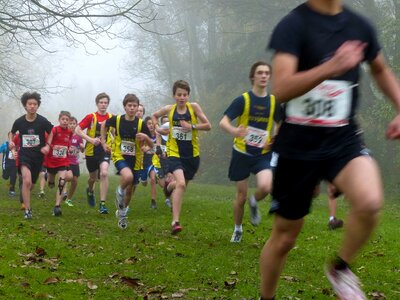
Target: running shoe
x=57 y=211
x=28 y=214
x=41 y=194
x=11 y=193
x=123 y=222
x=69 y=202
x=335 y=224
x=255 y=217
x=168 y=203
x=90 y=198
x=176 y=228
x=153 y=204
x=345 y=284
x=119 y=198
x=103 y=209
x=236 y=236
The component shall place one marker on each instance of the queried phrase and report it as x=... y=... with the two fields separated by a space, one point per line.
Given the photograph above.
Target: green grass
x=88 y=257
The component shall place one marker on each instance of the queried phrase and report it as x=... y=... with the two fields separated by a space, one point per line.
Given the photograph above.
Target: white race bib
x=60 y=151
x=327 y=105
x=180 y=135
x=128 y=148
x=30 y=140
x=256 y=137
x=10 y=155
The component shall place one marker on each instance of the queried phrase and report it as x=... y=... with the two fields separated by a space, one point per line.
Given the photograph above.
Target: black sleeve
x=235 y=109
x=48 y=126
x=112 y=121
x=288 y=35
x=15 y=127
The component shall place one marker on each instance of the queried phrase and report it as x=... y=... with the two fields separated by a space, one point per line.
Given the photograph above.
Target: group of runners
x=305 y=133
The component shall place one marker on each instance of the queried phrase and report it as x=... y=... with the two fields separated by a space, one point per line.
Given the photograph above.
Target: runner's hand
x=393 y=130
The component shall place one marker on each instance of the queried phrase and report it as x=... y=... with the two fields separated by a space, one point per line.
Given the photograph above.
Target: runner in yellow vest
x=254 y=111
x=182 y=147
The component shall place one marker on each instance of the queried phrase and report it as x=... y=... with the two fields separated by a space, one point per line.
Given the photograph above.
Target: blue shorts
x=128 y=163
x=188 y=165
x=243 y=165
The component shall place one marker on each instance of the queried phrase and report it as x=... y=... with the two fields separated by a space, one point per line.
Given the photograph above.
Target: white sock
x=253 y=201
x=238 y=228
x=331 y=218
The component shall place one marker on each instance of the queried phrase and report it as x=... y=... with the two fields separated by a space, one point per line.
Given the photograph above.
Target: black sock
x=339 y=263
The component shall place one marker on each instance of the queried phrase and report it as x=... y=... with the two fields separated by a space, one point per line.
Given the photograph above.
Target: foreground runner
x=97 y=161
x=255 y=112
x=318 y=48
x=130 y=134
x=32 y=128
x=183 y=147
x=9 y=168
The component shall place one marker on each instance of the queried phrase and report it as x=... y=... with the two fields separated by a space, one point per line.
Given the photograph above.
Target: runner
x=253 y=134
x=183 y=148
x=33 y=147
x=77 y=147
x=165 y=176
x=318 y=49
x=57 y=162
x=130 y=134
x=9 y=168
x=97 y=161
x=151 y=161
x=141 y=173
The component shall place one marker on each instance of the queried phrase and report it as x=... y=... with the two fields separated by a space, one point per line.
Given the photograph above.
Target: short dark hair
x=255 y=66
x=182 y=84
x=163 y=117
x=146 y=120
x=30 y=95
x=130 y=98
x=71 y=118
x=101 y=96
x=64 y=113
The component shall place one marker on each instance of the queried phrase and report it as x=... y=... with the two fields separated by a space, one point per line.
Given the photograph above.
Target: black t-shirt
x=31 y=135
x=313 y=38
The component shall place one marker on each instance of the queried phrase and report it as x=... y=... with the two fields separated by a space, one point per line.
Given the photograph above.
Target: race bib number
x=60 y=151
x=163 y=148
x=327 y=105
x=10 y=155
x=180 y=135
x=256 y=137
x=30 y=140
x=128 y=148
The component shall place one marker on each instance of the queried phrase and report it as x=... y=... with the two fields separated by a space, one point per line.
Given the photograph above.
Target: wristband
x=194 y=126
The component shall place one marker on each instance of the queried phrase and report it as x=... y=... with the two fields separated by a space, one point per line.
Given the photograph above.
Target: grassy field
x=84 y=255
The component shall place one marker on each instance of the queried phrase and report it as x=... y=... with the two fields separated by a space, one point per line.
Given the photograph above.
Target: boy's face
x=31 y=106
x=64 y=120
x=181 y=96
x=72 y=125
x=102 y=105
x=140 y=112
x=131 y=109
x=150 y=125
x=261 y=76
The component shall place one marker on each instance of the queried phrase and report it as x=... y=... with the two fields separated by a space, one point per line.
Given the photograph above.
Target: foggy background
x=211 y=44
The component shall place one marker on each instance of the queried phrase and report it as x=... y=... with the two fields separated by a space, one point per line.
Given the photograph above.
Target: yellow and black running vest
x=262 y=122
x=117 y=154
x=94 y=131
x=182 y=144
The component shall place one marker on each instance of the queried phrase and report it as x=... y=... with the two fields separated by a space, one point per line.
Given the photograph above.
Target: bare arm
x=204 y=123
x=79 y=131
x=288 y=83
x=388 y=83
x=103 y=133
x=159 y=113
x=226 y=125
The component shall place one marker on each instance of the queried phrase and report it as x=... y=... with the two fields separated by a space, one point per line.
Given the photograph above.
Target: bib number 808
x=319 y=108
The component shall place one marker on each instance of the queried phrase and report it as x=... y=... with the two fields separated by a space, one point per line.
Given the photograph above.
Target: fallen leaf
x=230 y=284
x=290 y=278
x=131 y=260
x=177 y=295
x=51 y=280
x=40 y=251
x=377 y=295
x=91 y=285
x=233 y=273
x=25 y=284
x=113 y=275
x=132 y=282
